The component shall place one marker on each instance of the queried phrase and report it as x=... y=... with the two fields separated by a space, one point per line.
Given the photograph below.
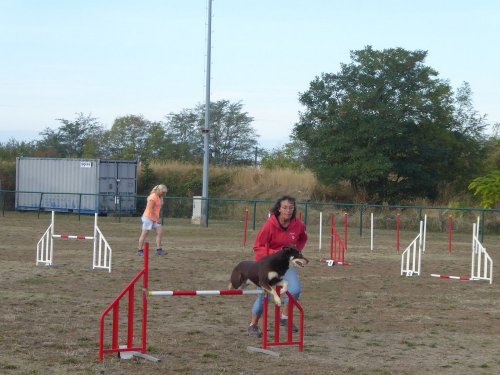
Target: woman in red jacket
x=281 y=229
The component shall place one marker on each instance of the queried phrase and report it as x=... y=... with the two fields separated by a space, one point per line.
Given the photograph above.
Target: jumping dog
x=268 y=272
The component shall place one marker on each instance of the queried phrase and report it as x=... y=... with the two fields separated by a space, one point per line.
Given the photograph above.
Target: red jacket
x=276 y=237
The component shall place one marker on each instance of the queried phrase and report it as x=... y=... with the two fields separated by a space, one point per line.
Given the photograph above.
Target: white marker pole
x=320 y=228
x=371 y=232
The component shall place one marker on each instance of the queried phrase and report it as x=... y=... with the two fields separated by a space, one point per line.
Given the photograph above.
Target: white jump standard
x=411 y=258
x=102 y=250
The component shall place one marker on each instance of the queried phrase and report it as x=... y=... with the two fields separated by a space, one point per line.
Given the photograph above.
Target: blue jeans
x=294 y=288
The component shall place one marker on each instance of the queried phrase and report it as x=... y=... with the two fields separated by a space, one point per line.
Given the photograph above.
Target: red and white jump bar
x=465 y=278
x=71 y=237
x=229 y=292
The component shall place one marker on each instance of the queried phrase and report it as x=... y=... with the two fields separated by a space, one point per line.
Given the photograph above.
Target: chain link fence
x=358 y=216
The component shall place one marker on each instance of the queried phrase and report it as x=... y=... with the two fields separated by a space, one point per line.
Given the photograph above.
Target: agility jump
x=101 y=254
x=481 y=262
x=132 y=349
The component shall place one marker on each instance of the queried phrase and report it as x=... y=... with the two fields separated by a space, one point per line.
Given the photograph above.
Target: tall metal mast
x=206 y=130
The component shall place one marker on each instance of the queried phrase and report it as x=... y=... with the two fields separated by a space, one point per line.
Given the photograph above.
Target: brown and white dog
x=268 y=272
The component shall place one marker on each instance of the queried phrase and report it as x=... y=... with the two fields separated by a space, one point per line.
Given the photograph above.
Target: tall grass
x=266 y=184
x=235 y=182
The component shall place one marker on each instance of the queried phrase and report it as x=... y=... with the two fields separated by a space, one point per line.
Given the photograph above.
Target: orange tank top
x=153 y=207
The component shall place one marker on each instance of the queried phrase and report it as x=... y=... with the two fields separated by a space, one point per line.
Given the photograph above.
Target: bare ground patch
x=359 y=319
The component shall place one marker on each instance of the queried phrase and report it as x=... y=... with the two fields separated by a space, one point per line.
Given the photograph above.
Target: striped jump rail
x=72 y=237
x=229 y=292
x=465 y=278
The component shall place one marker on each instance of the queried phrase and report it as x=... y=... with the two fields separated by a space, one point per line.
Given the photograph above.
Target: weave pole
x=140 y=351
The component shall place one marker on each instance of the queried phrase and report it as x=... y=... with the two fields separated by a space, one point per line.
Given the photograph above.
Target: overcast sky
x=113 y=58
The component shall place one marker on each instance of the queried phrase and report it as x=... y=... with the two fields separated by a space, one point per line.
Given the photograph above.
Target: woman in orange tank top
x=151 y=219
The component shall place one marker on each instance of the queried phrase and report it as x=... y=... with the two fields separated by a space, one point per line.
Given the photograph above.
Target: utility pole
x=206 y=130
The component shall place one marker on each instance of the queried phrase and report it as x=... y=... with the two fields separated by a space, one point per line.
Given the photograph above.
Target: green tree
x=11 y=149
x=133 y=137
x=386 y=124
x=232 y=138
x=75 y=138
x=184 y=130
x=488 y=188
x=492 y=150
x=292 y=156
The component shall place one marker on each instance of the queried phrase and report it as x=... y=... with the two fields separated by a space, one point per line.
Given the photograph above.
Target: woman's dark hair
x=276 y=208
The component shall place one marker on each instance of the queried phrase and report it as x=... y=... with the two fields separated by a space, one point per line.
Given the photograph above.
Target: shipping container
x=76 y=185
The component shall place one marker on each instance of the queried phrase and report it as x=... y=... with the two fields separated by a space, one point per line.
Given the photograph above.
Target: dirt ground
x=359 y=319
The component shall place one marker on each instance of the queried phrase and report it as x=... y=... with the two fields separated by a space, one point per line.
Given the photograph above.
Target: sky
x=112 y=58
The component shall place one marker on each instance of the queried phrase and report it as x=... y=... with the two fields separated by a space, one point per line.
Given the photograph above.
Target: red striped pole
x=466 y=278
x=228 y=292
x=73 y=237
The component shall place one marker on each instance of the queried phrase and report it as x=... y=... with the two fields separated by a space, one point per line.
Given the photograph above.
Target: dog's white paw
x=277 y=301
x=284 y=286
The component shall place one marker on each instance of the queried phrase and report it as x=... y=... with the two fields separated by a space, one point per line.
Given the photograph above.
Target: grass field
x=359 y=319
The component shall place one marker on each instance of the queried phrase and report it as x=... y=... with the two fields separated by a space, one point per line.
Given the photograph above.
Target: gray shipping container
x=76 y=185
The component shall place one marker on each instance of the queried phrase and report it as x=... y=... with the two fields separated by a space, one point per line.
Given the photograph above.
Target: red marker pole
x=345 y=231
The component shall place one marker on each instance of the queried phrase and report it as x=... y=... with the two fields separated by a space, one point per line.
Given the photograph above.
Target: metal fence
x=359 y=216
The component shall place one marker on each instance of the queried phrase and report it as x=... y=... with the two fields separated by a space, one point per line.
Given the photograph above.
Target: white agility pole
x=371 y=232
x=425 y=233
x=320 y=229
